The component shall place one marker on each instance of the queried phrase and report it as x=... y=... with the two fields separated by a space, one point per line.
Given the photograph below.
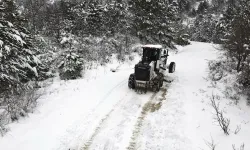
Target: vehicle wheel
x=161 y=83
x=145 y=90
x=172 y=67
x=131 y=81
x=156 y=87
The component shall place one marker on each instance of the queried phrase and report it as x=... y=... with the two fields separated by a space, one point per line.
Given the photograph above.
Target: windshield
x=150 y=54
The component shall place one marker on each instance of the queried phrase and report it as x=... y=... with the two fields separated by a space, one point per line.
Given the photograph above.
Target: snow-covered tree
x=97 y=19
x=233 y=29
x=115 y=18
x=152 y=20
x=18 y=64
x=60 y=19
x=71 y=67
x=218 y=5
x=184 y=5
x=203 y=6
x=236 y=22
x=204 y=28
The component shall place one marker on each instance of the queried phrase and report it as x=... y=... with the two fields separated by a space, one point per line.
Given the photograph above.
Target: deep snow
x=100 y=112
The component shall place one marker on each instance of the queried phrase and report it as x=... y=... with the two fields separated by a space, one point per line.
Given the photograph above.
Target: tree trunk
x=244 y=58
x=245 y=55
x=239 y=62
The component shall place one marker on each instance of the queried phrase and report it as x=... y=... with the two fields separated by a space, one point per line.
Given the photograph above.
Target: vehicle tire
x=161 y=83
x=156 y=87
x=171 y=68
x=145 y=89
x=131 y=81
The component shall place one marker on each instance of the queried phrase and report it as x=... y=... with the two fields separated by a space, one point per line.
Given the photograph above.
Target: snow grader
x=149 y=72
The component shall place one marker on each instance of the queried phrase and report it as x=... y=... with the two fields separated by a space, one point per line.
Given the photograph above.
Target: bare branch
x=220 y=119
x=242 y=147
x=211 y=144
x=237 y=130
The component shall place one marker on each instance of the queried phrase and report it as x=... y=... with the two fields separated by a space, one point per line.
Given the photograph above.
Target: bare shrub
x=242 y=147
x=131 y=57
x=14 y=105
x=223 y=71
x=211 y=144
x=237 y=130
x=232 y=93
x=248 y=99
x=3 y=121
x=100 y=49
x=3 y=130
x=216 y=70
x=219 y=116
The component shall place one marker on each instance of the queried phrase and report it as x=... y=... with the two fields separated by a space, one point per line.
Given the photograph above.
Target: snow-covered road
x=172 y=127
x=96 y=112
x=100 y=112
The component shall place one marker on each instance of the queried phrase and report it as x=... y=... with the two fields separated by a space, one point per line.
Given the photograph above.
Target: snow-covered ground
x=100 y=112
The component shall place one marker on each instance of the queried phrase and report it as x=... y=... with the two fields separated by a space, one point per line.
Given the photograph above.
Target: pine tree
x=115 y=18
x=184 y=5
x=60 y=18
x=235 y=23
x=204 y=29
x=71 y=66
x=18 y=63
x=218 y=5
x=94 y=19
x=202 y=8
x=152 y=20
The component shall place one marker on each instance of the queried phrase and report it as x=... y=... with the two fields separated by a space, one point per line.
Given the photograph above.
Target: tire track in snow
x=120 y=84
x=149 y=106
x=101 y=124
x=85 y=120
x=117 y=86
